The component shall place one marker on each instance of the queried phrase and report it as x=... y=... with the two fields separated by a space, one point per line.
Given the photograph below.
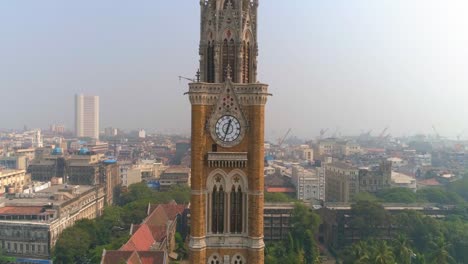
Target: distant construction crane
x=383 y=133
x=281 y=140
x=197 y=77
x=460 y=135
x=186 y=78
x=322 y=132
x=436 y=132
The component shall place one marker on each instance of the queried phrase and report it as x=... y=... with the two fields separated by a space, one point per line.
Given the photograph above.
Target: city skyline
x=353 y=66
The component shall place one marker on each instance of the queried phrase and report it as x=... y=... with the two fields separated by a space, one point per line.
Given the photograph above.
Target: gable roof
x=141 y=240
x=152 y=257
x=172 y=209
x=134 y=257
x=116 y=257
x=157 y=218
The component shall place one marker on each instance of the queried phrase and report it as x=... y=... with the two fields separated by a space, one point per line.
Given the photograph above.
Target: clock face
x=228 y=129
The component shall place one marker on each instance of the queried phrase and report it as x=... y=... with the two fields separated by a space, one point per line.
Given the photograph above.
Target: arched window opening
x=246 y=63
x=214 y=260
x=238 y=259
x=210 y=65
x=236 y=210
x=229 y=58
x=217 y=224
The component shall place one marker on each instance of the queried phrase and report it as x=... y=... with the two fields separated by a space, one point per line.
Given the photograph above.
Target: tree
x=6 y=259
x=303 y=219
x=398 y=195
x=277 y=198
x=402 y=250
x=311 y=254
x=460 y=187
x=383 y=254
x=181 y=247
x=72 y=246
x=440 y=253
x=368 y=218
x=365 y=196
x=439 y=195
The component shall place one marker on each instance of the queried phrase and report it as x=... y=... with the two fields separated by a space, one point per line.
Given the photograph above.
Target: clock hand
x=227 y=129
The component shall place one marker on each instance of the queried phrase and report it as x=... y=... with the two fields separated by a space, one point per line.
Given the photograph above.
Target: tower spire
x=228 y=37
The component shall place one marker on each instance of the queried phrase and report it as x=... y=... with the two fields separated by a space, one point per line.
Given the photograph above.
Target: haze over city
x=352 y=65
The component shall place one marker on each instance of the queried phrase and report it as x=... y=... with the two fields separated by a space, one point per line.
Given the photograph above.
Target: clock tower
x=228 y=106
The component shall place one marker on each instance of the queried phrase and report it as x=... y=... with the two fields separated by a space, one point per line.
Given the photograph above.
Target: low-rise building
x=342 y=182
x=13 y=181
x=109 y=177
x=14 y=162
x=400 y=180
x=129 y=174
x=83 y=168
x=150 y=169
x=30 y=224
x=276 y=220
x=154 y=239
x=174 y=176
x=48 y=164
x=309 y=183
x=375 y=178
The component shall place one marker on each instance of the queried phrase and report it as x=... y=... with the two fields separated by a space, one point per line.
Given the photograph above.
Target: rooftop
x=402 y=178
x=43 y=197
x=341 y=165
x=177 y=170
x=10 y=171
x=21 y=210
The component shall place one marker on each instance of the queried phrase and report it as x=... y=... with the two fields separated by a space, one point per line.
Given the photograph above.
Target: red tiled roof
x=172 y=209
x=114 y=256
x=21 y=210
x=159 y=233
x=134 y=257
x=157 y=218
x=134 y=228
x=152 y=257
x=280 y=190
x=141 y=240
x=429 y=182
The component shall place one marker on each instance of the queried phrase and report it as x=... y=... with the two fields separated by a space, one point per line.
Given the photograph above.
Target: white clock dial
x=228 y=128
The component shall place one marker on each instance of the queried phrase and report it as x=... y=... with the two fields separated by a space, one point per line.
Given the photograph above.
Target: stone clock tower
x=228 y=106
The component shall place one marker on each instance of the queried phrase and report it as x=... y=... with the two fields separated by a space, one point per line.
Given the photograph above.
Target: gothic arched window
x=246 y=63
x=236 y=209
x=217 y=214
x=210 y=65
x=229 y=58
x=215 y=259
x=238 y=259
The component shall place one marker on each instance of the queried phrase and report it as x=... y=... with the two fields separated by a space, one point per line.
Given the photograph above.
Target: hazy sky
x=353 y=65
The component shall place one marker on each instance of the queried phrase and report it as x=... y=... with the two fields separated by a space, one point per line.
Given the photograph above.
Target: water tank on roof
x=110 y=161
x=83 y=151
x=57 y=151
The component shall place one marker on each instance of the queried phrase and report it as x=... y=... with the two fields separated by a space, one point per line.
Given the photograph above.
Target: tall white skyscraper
x=87 y=116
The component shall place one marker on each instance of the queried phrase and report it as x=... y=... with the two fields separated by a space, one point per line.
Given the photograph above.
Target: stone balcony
x=227 y=159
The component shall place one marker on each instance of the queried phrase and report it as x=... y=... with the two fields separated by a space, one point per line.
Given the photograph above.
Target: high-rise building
x=228 y=118
x=87 y=116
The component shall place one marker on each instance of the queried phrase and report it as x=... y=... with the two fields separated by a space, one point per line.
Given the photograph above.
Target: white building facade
x=87 y=116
